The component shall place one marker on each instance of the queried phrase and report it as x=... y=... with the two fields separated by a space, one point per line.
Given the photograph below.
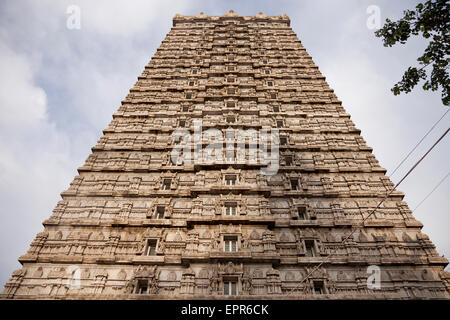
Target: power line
x=420 y=160
x=415 y=147
x=423 y=200
x=373 y=211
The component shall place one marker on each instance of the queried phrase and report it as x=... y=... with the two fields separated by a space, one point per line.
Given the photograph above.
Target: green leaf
x=430 y=20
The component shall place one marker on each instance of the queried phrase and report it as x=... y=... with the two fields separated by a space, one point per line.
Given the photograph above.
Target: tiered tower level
x=135 y=225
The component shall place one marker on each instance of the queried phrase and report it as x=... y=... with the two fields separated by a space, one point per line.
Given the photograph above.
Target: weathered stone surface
x=134 y=225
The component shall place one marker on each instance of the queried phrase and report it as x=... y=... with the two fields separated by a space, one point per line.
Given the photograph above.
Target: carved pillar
x=192 y=242
x=264 y=207
x=273 y=282
x=14 y=283
x=125 y=210
x=338 y=213
x=59 y=211
x=100 y=282
x=38 y=243
x=188 y=282
x=197 y=207
x=269 y=242
x=111 y=245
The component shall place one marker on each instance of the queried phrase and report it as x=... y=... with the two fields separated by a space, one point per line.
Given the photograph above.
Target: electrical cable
x=423 y=200
x=373 y=211
x=415 y=147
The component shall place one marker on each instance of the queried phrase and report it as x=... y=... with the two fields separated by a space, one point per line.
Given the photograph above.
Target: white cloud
x=362 y=73
x=35 y=162
x=46 y=134
x=21 y=102
x=118 y=17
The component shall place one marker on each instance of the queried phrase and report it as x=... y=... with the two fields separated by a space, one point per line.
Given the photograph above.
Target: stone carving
x=255 y=235
x=246 y=283
x=172 y=276
x=231 y=73
x=38 y=273
x=145 y=277
x=122 y=275
x=214 y=282
x=290 y=276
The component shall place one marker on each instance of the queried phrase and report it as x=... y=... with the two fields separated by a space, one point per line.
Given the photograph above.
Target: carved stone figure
x=292 y=220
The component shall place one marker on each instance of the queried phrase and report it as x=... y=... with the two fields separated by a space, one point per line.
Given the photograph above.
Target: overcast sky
x=59 y=88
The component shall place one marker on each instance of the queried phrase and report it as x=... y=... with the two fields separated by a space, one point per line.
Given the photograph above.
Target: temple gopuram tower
x=138 y=222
